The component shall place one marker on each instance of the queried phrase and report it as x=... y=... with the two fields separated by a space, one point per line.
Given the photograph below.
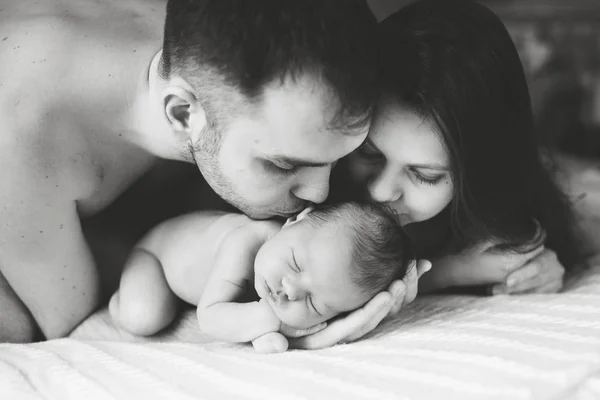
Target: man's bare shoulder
x=48 y=48
x=65 y=65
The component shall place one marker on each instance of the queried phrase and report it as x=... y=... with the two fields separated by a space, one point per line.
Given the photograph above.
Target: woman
x=452 y=150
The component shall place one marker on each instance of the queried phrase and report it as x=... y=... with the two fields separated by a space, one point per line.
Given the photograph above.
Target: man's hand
x=291 y=332
x=541 y=273
x=362 y=321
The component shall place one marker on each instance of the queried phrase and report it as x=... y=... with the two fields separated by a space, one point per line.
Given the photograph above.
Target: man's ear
x=299 y=217
x=183 y=111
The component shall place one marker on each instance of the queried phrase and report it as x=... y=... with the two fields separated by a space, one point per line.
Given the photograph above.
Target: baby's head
x=331 y=260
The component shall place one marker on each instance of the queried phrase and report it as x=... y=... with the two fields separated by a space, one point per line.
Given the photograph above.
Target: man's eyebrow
x=298 y=162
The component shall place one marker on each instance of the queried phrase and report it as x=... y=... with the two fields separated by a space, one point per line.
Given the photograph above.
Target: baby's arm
x=170 y=262
x=218 y=313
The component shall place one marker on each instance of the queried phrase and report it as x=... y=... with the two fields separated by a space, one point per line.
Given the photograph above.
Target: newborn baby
x=312 y=268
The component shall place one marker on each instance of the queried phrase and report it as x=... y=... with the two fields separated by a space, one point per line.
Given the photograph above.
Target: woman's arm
x=504 y=271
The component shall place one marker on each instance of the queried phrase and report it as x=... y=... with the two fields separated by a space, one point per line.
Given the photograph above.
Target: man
x=263 y=96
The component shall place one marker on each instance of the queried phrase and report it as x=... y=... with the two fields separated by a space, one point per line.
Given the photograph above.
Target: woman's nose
x=384 y=188
x=293 y=288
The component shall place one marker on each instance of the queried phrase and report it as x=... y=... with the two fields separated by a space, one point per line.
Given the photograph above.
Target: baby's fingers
x=272 y=342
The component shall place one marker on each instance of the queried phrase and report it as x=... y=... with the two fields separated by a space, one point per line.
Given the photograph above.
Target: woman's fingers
x=398 y=291
x=357 y=322
x=423 y=266
x=542 y=272
x=411 y=280
x=370 y=325
x=405 y=291
x=552 y=287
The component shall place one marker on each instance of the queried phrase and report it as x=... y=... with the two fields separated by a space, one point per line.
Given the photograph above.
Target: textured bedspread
x=440 y=347
x=443 y=347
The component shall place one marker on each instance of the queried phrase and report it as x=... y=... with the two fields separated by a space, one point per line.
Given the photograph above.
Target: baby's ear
x=299 y=217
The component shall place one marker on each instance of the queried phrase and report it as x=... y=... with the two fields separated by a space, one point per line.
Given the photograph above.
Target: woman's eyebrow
x=437 y=167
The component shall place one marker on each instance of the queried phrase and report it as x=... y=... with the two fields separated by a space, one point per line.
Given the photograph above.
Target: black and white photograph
x=300 y=199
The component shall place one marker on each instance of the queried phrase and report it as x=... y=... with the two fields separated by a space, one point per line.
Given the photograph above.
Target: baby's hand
x=276 y=342
x=272 y=342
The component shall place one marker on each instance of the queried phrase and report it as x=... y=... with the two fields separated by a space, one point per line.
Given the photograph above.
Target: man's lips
x=289 y=214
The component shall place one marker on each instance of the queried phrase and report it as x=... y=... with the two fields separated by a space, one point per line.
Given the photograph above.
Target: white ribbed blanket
x=440 y=347
x=443 y=347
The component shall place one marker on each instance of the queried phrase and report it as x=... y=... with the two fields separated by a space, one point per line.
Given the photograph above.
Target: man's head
x=269 y=94
x=331 y=261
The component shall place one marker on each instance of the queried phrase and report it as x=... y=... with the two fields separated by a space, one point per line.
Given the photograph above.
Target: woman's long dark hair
x=455 y=64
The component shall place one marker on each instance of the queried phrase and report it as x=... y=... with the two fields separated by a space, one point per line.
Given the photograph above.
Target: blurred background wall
x=559 y=45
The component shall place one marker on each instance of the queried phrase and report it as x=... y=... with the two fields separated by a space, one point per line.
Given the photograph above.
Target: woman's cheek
x=425 y=204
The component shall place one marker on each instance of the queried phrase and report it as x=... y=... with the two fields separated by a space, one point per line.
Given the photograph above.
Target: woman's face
x=404 y=163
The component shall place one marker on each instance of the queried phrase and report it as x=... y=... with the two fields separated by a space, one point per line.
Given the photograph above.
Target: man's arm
x=218 y=313
x=43 y=254
x=16 y=325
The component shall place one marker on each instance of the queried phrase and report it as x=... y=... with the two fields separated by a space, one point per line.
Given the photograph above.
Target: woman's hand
x=541 y=273
x=362 y=321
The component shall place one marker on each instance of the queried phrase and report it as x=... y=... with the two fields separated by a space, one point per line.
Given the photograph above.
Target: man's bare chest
x=109 y=171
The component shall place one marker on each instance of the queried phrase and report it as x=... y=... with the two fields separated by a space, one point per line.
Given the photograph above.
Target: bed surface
x=440 y=347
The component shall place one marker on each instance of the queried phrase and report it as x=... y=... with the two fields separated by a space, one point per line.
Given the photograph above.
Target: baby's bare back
x=187 y=247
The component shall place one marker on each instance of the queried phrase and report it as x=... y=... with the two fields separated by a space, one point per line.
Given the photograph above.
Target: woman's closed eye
x=428 y=179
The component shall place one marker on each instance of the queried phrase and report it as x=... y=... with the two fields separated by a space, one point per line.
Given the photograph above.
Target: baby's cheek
x=297 y=315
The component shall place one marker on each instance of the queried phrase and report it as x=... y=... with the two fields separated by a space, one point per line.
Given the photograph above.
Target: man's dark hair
x=246 y=44
x=382 y=251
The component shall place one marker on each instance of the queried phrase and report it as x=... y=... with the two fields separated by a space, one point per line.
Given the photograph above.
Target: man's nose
x=384 y=187
x=292 y=288
x=313 y=185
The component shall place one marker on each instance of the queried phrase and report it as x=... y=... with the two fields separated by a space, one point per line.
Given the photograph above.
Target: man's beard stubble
x=205 y=154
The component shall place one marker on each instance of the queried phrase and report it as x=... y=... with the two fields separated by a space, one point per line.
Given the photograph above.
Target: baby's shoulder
x=245 y=230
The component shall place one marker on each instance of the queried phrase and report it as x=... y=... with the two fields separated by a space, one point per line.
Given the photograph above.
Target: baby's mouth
x=272 y=295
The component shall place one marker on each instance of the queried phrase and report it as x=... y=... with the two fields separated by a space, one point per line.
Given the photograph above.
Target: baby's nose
x=292 y=289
